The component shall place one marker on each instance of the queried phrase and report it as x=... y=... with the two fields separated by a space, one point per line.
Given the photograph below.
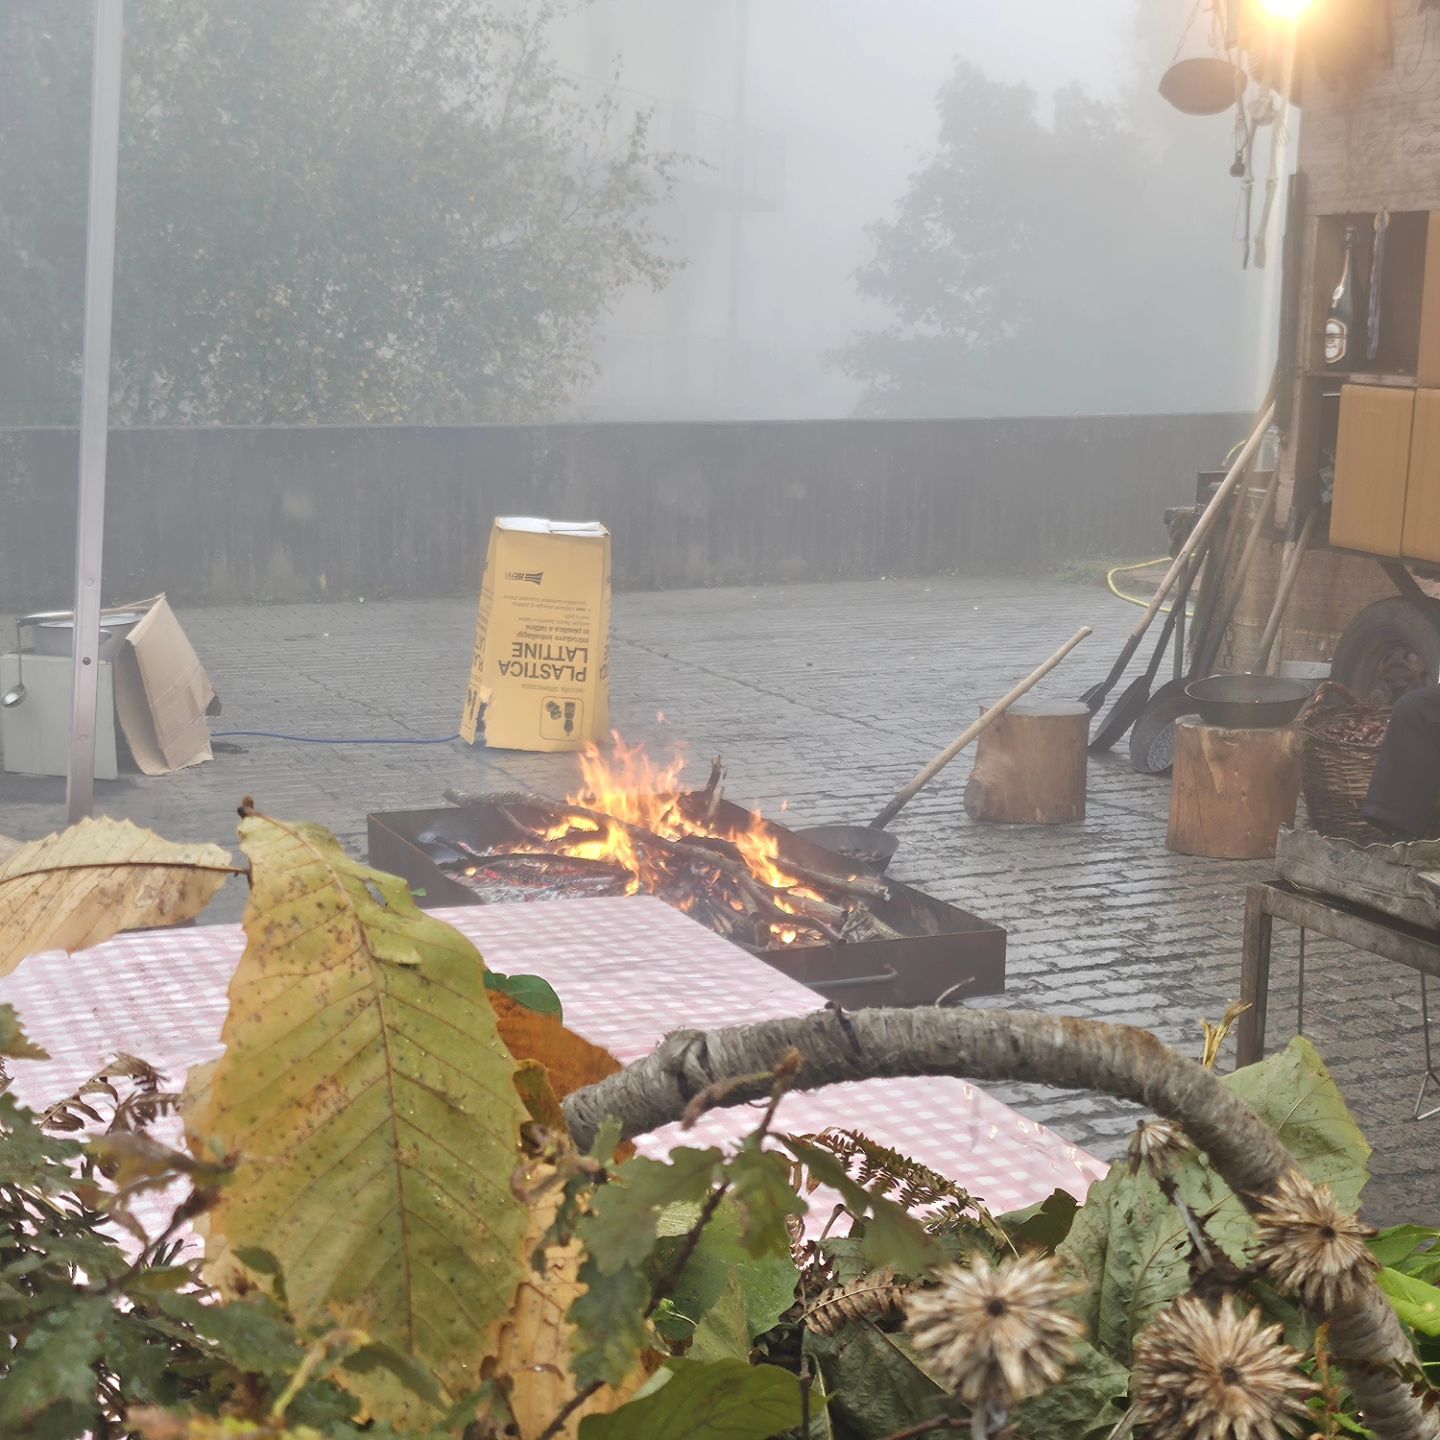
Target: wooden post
x=1030 y=766
x=1232 y=789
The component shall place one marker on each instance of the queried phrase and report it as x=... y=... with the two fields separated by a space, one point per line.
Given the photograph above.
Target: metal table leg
x=1429 y=1063
x=1254 y=976
x=1300 y=988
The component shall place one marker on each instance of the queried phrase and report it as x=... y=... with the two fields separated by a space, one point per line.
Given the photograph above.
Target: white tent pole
x=95 y=400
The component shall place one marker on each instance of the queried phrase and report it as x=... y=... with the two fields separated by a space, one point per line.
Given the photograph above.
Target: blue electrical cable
x=324 y=740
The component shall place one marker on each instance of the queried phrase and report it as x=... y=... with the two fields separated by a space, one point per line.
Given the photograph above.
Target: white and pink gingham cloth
x=628 y=970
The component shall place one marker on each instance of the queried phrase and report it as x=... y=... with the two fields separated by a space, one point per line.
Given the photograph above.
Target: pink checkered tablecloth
x=627 y=970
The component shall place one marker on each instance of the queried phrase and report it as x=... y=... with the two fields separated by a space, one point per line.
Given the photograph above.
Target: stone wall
x=232 y=515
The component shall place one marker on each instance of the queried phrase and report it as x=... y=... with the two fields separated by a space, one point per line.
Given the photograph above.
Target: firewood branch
x=1007 y=1046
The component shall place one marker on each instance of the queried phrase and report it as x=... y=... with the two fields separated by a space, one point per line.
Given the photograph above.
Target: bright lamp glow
x=1285 y=9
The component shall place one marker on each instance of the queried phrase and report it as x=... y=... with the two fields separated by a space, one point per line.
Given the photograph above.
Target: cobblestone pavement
x=827 y=697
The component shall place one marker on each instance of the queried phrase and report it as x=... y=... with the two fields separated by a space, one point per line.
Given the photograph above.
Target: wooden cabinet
x=1421 y=539
x=1372 y=461
x=1428 y=364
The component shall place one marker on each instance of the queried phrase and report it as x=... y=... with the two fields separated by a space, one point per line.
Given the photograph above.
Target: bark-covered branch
x=1007 y=1046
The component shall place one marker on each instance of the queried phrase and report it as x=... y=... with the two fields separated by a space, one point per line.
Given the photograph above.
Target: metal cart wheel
x=1388 y=649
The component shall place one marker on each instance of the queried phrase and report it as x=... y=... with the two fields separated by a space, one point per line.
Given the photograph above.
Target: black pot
x=1248 y=702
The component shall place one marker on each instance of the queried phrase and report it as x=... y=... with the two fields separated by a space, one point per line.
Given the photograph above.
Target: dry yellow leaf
x=534 y=1349
x=102 y=876
x=371 y=1106
x=572 y=1061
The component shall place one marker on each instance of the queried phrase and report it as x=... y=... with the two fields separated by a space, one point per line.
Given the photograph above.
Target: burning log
x=735 y=884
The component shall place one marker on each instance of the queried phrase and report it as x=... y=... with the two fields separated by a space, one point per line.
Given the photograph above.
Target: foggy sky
x=851 y=84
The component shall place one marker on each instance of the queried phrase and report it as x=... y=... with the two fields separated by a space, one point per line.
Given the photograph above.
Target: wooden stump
x=1030 y=765
x=1232 y=790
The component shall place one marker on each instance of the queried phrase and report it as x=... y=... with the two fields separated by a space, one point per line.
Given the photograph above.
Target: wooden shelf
x=1360 y=377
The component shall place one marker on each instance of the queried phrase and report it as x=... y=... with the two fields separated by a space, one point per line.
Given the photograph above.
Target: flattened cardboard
x=540 y=675
x=162 y=693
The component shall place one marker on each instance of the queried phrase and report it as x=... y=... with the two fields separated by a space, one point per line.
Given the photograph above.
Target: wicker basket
x=1335 y=774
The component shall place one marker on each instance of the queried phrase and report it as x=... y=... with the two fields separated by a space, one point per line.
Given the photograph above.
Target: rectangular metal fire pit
x=944 y=947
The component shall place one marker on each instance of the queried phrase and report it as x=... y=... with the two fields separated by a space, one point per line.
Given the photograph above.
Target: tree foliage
x=1053 y=263
x=340 y=211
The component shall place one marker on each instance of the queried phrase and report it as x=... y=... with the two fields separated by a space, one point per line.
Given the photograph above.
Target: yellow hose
x=1141 y=600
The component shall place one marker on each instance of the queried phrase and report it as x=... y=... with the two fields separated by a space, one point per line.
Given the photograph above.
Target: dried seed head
x=996 y=1334
x=1158 y=1146
x=1200 y=1374
x=1311 y=1247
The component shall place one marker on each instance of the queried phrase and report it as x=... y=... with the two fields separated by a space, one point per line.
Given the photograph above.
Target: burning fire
x=633 y=789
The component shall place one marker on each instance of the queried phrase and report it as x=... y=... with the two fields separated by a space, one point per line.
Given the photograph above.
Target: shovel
x=869 y=845
x=1133 y=699
x=1094 y=697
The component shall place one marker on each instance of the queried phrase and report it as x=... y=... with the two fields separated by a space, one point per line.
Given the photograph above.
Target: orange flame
x=630 y=787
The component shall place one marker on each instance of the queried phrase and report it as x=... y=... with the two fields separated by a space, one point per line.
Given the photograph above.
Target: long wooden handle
x=1208 y=517
x=1288 y=576
x=983 y=723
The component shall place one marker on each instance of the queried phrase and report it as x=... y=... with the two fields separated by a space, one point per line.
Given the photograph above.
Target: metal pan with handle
x=870 y=846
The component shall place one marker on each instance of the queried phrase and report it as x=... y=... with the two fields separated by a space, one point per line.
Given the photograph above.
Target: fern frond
x=908 y=1182
x=873 y=1297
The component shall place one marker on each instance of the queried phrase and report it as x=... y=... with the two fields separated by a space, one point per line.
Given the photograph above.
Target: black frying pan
x=869 y=846
x=868 y=849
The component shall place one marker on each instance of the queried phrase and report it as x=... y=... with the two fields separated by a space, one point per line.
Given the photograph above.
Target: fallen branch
x=1006 y=1046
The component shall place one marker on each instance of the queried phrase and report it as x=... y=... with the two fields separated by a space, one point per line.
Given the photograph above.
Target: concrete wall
x=225 y=516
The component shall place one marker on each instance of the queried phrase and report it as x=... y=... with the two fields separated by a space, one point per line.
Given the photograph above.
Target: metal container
x=1248 y=702
x=944 y=947
x=52 y=632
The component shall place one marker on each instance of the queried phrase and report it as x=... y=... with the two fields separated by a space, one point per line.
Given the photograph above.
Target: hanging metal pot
x=1203 y=85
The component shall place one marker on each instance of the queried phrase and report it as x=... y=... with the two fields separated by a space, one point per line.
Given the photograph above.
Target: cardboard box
x=162 y=693
x=540 y=677
x=1372 y=462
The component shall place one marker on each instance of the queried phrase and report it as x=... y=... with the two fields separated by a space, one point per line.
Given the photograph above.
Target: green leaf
x=1416 y=1302
x=721 y=1400
x=528 y=990
x=258 y=1259
x=253 y=1334
x=1399 y=1245
x=1044 y=1225
x=609 y=1323
x=874 y=1383
x=722 y=1332
x=385 y=1357
x=1294 y=1094
x=1129 y=1245
x=891 y=1235
x=621 y=1227
x=52 y=1369
x=14 y=1043
x=761 y=1188
x=366 y=1088
x=767 y=1283
x=1089 y=1400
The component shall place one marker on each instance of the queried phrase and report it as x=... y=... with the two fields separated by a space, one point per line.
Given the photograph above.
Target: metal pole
x=737 y=202
x=95 y=400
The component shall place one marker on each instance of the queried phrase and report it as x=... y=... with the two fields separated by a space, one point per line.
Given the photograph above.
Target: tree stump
x=1030 y=765
x=1232 y=790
